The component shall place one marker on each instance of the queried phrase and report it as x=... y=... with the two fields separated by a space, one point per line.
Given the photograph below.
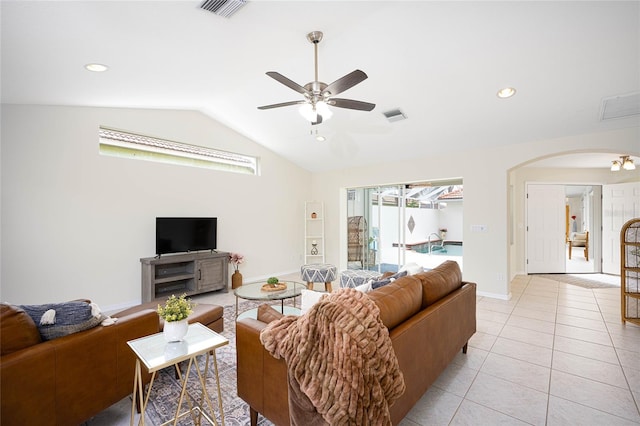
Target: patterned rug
x=583 y=281
x=166 y=388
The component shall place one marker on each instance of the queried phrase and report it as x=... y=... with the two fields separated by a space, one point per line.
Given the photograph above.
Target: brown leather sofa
x=67 y=380
x=430 y=317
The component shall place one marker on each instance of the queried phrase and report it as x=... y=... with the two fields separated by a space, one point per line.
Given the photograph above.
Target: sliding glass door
x=374 y=233
x=389 y=226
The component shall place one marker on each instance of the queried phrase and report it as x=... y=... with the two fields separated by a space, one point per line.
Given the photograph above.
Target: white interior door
x=620 y=203
x=545 y=228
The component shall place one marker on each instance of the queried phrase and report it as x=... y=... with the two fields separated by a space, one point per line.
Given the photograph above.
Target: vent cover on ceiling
x=395 y=115
x=621 y=106
x=224 y=8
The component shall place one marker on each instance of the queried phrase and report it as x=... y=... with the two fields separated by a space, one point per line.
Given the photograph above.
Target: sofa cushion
x=266 y=313
x=68 y=318
x=398 y=300
x=17 y=329
x=440 y=281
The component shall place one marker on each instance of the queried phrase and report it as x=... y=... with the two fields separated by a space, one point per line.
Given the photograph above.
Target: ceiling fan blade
x=289 y=83
x=351 y=104
x=346 y=82
x=283 y=104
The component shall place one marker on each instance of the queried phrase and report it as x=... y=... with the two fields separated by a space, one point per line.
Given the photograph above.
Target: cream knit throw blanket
x=340 y=354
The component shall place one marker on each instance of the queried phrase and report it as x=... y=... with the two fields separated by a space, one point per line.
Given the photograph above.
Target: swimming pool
x=437 y=250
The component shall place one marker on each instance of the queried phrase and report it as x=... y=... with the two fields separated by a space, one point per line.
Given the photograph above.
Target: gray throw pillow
x=385 y=281
x=70 y=317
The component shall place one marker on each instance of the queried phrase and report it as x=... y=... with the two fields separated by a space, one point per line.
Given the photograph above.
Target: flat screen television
x=184 y=234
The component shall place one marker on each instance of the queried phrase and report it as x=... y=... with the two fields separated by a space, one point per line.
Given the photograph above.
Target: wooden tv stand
x=190 y=273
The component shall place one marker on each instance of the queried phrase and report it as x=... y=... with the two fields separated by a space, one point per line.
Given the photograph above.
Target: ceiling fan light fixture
x=318 y=96
x=307 y=111
x=323 y=110
x=615 y=166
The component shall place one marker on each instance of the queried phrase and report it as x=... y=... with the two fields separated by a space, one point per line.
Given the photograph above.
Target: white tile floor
x=555 y=354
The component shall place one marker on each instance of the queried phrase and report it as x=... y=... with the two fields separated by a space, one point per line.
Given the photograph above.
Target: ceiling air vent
x=395 y=115
x=224 y=8
x=621 y=106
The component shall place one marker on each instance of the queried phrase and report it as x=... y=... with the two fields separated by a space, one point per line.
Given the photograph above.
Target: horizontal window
x=129 y=145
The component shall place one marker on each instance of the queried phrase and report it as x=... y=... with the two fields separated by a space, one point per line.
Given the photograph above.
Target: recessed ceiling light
x=507 y=92
x=96 y=67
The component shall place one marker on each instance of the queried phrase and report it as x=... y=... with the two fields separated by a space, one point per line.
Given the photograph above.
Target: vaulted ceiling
x=441 y=63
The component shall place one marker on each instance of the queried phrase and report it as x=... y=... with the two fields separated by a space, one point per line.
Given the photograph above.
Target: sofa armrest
x=24 y=375
x=262 y=379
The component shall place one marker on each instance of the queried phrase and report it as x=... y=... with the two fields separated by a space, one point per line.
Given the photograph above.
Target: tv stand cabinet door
x=212 y=274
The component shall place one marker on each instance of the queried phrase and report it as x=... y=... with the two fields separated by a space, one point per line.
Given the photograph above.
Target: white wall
x=451 y=218
x=75 y=223
x=486 y=184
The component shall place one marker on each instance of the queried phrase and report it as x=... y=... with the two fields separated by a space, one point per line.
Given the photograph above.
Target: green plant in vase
x=273 y=281
x=176 y=308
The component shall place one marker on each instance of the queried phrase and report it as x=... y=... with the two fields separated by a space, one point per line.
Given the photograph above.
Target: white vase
x=174 y=331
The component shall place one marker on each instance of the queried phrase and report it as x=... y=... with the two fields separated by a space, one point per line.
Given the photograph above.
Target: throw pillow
x=60 y=319
x=266 y=313
x=411 y=268
x=379 y=283
x=309 y=298
x=387 y=280
x=365 y=288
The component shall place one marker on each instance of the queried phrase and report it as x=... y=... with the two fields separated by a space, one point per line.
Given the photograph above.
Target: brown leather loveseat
x=430 y=317
x=66 y=380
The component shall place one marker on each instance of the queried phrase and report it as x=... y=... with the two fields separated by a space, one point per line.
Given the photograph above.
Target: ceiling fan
x=318 y=96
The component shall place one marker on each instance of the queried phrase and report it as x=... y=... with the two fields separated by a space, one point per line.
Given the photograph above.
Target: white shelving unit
x=314 y=232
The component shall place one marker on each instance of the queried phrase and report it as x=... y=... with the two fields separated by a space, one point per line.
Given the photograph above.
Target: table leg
x=236 y=307
x=205 y=394
x=138 y=391
x=183 y=391
x=215 y=369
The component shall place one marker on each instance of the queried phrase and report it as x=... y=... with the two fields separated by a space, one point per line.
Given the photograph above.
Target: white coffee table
x=155 y=353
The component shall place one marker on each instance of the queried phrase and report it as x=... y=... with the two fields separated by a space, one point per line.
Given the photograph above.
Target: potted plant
x=175 y=312
x=273 y=281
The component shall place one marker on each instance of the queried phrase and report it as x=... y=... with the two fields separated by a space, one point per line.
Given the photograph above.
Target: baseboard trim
x=494 y=295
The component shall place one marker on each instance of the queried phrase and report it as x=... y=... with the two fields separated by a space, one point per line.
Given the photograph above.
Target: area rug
x=166 y=388
x=586 y=280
